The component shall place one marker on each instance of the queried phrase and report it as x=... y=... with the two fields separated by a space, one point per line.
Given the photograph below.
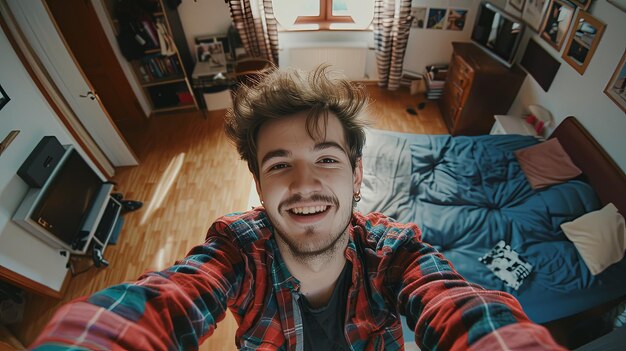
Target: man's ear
x=258 y=188
x=358 y=175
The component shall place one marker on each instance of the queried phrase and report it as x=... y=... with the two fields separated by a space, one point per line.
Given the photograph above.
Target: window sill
x=369 y=28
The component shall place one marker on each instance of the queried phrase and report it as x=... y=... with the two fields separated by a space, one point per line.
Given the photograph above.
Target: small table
x=512 y=125
x=212 y=85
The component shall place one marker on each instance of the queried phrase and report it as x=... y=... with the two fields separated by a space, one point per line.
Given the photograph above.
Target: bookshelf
x=163 y=74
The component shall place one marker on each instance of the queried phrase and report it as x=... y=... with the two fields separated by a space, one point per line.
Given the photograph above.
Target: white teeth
x=308 y=210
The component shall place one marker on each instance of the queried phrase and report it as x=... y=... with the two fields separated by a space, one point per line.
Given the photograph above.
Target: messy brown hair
x=281 y=93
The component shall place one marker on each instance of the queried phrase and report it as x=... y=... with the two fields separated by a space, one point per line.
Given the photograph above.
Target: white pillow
x=599 y=237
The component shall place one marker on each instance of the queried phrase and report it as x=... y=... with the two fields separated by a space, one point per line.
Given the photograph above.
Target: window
x=324 y=14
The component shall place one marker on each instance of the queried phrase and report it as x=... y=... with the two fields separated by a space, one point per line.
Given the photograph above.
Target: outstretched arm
x=176 y=308
x=446 y=311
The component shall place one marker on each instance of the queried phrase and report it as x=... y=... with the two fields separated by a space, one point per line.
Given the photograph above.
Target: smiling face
x=307 y=185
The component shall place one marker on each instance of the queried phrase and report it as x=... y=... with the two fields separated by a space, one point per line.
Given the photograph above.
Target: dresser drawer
x=450 y=108
x=458 y=94
x=455 y=94
x=462 y=67
x=463 y=82
x=478 y=87
x=462 y=73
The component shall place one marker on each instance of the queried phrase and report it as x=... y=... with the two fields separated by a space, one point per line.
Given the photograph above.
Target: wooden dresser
x=477 y=88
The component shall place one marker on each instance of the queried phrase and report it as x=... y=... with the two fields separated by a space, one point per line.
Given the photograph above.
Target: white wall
x=433 y=46
x=583 y=96
x=336 y=38
x=202 y=17
x=28 y=112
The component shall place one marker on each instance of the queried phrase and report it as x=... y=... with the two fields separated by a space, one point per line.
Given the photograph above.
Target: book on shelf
x=142 y=35
x=156 y=66
x=150 y=28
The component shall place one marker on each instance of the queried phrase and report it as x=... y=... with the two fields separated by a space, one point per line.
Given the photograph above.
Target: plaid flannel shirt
x=239 y=267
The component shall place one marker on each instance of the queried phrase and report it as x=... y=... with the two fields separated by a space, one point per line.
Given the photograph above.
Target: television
x=540 y=64
x=65 y=211
x=497 y=33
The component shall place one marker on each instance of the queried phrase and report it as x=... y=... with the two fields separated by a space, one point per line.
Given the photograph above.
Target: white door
x=38 y=28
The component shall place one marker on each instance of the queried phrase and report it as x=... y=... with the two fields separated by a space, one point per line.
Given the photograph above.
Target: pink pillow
x=546 y=164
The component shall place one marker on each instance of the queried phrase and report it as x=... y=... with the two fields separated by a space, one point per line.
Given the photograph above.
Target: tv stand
x=477 y=88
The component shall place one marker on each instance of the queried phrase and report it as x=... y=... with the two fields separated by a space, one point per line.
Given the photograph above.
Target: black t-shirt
x=323 y=327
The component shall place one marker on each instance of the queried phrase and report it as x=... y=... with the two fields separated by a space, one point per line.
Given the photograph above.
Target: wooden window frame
x=325 y=18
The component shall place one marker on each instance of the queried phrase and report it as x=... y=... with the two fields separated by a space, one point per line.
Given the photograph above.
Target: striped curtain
x=392 y=25
x=256 y=24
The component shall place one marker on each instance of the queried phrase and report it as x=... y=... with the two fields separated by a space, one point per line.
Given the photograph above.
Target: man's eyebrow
x=327 y=145
x=318 y=147
x=275 y=153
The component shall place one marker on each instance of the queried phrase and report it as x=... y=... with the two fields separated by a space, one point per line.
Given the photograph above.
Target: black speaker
x=38 y=166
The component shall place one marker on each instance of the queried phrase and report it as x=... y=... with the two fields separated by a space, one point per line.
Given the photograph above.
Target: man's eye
x=278 y=166
x=328 y=160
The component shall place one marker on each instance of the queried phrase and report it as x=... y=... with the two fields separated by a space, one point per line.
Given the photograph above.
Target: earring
x=262 y=203
x=357 y=196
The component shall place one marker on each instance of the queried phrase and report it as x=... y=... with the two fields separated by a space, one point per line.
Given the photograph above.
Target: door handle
x=89 y=94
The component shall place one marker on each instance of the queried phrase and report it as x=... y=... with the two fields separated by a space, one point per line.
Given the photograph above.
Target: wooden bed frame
x=609 y=182
x=599 y=169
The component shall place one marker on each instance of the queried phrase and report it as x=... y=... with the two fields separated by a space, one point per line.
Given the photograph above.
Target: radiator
x=348 y=58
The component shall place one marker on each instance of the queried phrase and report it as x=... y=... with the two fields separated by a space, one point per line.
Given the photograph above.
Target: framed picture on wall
x=517 y=4
x=212 y=53
x=456 y=19
x=583 y=41
x=436 y=18
x=616 y=88
x=583 y=4
x=210 y=39
x=4 y=98
x=418 y=17
x=533 y=13
x=556 y=23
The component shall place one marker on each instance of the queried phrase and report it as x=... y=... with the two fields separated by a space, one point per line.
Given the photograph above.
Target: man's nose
x=305 y=180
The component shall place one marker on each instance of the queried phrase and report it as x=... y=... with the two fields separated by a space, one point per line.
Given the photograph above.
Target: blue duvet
x=467 y=194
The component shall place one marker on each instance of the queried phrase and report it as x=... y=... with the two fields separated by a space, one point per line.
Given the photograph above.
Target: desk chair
x=249 y=69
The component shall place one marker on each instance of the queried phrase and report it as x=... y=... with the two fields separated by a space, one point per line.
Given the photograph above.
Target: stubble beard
x=307 y=251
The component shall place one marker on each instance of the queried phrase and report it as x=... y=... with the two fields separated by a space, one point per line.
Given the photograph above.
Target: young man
x=304 y=271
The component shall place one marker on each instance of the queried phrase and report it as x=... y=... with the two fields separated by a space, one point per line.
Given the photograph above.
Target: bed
x=469 y=193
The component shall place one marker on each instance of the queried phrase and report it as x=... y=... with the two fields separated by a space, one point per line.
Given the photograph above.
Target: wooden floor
x=189 y=175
